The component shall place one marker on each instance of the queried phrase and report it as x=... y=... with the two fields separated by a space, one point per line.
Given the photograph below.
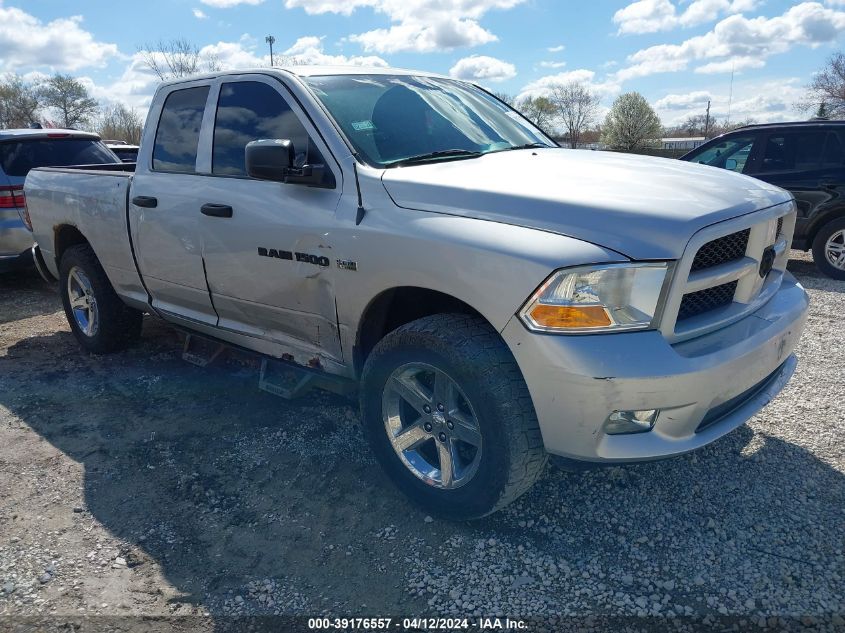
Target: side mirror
x=269 y=159
x=273 y=159
x=731 y=164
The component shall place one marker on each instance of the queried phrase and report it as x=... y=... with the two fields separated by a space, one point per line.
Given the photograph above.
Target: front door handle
x=217 y=210
x=147 y=202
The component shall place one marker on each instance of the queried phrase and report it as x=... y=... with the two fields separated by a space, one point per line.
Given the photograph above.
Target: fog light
x=620 y=422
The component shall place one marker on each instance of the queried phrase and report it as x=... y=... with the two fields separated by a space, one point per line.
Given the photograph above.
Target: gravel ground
x=136 y=484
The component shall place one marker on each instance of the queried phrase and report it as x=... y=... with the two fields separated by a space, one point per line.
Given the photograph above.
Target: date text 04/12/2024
x=417 y=624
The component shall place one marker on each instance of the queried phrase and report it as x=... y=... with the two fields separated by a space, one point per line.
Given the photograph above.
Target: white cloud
x=745 y=42
x=199 y=15
x=134 y=87
x=481 y=67
x=559 y=49
x=683 y=101
x=249 y=53
x=737 y=64
x=763 y=102
x=552 y=64
x=226 y=4
x=417 y=25
x=309 y=50
x=61 y=44
x=543 y=86
x=650 y=16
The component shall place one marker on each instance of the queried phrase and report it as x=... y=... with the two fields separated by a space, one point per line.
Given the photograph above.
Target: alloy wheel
x=432 y=425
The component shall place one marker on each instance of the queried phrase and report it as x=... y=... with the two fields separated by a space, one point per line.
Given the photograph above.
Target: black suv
x=806 y=158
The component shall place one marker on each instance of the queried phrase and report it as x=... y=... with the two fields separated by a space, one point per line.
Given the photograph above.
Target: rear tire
x=486 y=404
x=827 y=245
x=99 y=320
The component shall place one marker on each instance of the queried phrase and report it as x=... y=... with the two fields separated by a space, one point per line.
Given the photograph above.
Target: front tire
x=449 y=417
x=829 y=249
x=99 y=320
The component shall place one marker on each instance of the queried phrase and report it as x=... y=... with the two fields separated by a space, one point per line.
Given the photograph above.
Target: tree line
x=570 y=112
x=64 y=101
x=572 y=109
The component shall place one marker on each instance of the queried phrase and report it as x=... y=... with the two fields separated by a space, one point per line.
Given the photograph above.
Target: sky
x=678 y=53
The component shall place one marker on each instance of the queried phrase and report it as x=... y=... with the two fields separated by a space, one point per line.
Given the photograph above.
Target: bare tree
x=539 y=110
x=120 y=122
x=576 y=107
x=507 y=98
x=70 y=99
x=19 y=102
x=177 y=58
x=828 y=88
x=631 y=123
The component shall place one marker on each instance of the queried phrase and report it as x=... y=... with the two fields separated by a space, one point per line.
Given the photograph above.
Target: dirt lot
x=136 y=484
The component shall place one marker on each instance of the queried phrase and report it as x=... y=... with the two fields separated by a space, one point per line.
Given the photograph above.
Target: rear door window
x=792 y=151
x=832 y=156
x=178 y=133
x=18 y=157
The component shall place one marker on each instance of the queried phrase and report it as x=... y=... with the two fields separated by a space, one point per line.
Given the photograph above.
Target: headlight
x=606 y=298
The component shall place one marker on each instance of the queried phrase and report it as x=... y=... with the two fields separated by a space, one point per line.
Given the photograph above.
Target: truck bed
x=94 y=199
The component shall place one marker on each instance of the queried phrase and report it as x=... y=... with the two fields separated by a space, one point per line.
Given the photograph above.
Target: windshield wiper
x=444 y=153
x=526 y=146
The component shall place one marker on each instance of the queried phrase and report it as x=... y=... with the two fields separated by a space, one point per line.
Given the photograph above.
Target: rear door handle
x=147 y=202
x=217 y=210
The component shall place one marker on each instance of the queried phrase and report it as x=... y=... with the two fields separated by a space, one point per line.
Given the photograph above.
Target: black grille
x=722 y=250
x=780 y=226
x=696 y=303
x=723 y=410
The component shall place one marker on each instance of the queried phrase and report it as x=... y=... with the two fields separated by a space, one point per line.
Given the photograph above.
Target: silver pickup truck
x=494 y=299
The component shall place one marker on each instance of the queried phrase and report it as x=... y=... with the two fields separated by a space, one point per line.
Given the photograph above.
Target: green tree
x=631 y=123
x=19 y=103
x=539 y=110
x=69 y=98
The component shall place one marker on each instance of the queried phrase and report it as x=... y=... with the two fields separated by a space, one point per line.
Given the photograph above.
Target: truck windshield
x=18 y=157
x=390 y=119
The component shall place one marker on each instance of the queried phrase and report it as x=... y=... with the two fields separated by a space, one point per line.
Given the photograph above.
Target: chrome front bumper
x=704 y=387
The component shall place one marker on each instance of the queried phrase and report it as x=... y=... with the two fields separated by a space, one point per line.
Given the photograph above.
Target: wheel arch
x=394 y=307
x=65 y=236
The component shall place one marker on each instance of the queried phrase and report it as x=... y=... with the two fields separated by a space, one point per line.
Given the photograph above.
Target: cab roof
x=309 y=71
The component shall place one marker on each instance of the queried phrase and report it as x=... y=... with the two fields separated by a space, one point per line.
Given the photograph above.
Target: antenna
x=361 y=212
x=731 y=95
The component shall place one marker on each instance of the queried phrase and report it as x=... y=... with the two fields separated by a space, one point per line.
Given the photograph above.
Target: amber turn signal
x=552 y=316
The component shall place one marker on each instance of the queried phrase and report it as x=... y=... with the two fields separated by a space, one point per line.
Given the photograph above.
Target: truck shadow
x=219 y=485
x=24 y=294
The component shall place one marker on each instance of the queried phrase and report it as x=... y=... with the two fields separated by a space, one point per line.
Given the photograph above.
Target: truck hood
x=642 y=207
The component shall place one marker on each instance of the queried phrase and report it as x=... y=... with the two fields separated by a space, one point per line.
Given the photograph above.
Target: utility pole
x=707 y=121
x=270 y=40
